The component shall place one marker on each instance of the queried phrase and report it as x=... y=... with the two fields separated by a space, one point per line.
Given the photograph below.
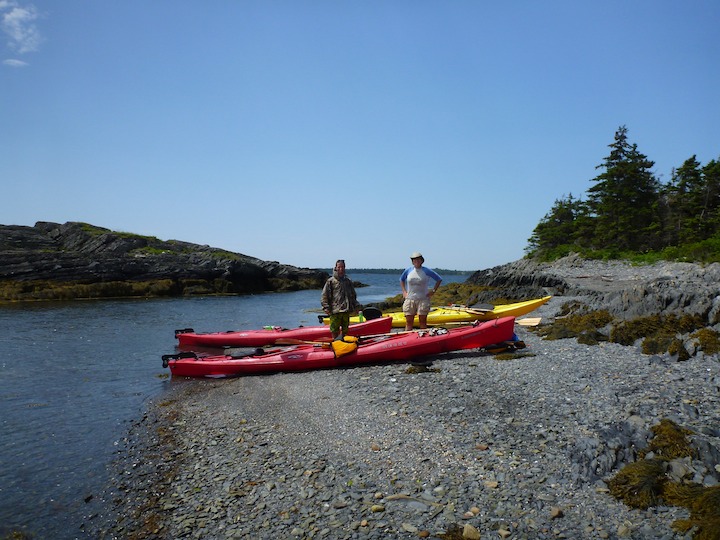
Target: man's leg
x=334 y=325
x=344 y=324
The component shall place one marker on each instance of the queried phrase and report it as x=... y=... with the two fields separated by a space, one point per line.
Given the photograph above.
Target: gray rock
x=625 y=290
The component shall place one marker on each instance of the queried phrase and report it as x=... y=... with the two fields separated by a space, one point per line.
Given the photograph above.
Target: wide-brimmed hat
x=416 y=255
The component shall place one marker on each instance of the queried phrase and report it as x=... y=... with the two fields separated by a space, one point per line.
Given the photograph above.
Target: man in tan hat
x=415 y=285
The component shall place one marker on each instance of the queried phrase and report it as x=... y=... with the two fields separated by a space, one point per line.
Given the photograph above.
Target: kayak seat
x=371 y=312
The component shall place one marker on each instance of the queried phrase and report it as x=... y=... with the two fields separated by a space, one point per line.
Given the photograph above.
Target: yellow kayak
x=441 y=315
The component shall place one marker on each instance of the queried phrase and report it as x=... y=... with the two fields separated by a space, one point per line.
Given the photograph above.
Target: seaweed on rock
x=645 y=483
x=658 y=333
x=669 y=441
x=704 y=506
x=639 y=484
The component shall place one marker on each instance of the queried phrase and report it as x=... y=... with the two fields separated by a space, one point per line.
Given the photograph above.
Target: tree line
x=629 y=213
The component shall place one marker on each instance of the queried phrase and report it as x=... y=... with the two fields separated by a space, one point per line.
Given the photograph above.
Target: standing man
x=339 y=300
x=414 y=283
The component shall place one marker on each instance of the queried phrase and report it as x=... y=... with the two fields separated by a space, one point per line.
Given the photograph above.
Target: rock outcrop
x=51 y=260
x=625 y=290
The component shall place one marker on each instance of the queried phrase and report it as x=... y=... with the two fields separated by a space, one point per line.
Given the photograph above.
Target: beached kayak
x=269 y=335
x=443 y=315
x=400 y=346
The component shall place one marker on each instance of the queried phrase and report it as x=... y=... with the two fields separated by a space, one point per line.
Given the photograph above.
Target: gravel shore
x=517 y=448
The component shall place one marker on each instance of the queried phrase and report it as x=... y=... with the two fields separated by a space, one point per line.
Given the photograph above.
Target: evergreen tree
x=711 y=206
x=557 y=228
x=685 y=202
x=629 y=211
x=692 y=203
x=624 y=201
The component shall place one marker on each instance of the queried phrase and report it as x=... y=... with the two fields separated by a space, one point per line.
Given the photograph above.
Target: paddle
x=480 y=310
x=291 y=341
x=369 y=313
x=389 y=334
x=528 y=321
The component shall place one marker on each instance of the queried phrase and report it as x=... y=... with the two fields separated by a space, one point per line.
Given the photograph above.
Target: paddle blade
x=529 y=321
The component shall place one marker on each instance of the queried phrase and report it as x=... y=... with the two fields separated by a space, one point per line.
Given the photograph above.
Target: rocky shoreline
x=474 y=446
x=624 y=289
x=53 y=261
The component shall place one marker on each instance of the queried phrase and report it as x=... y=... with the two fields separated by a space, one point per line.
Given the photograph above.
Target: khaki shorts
x=416 y=307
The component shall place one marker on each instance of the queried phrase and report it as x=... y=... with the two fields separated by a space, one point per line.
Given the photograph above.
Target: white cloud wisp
x=18 y=24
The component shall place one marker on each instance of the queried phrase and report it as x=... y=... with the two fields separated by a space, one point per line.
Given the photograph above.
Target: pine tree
x=685 y=202
x=711 y=207
x=624 y=201
x=558 y=227
x=692 y=202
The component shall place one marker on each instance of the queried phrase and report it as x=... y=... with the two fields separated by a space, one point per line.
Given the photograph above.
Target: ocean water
x=74 y=376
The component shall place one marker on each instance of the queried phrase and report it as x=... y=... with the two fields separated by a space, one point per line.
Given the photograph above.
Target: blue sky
x=306 y=131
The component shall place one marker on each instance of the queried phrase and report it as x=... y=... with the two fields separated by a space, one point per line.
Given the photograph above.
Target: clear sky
x=306 y=131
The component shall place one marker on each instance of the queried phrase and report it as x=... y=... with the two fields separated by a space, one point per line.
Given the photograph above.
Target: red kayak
x=269 y=335
x=396 y=347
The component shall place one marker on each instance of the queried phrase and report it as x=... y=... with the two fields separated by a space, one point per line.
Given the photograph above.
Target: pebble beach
x=472 y=444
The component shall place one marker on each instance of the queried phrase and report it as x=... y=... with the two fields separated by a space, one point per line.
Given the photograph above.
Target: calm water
x=73 y=376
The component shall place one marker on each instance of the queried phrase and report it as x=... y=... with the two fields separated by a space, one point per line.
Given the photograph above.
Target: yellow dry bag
x=346 y=345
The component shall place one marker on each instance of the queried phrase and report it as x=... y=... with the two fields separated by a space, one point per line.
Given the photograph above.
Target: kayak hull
x=400 y=347
x=440 y=315
x=268 y=336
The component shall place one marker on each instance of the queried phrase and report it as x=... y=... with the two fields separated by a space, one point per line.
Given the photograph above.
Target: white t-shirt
x=417 y=281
